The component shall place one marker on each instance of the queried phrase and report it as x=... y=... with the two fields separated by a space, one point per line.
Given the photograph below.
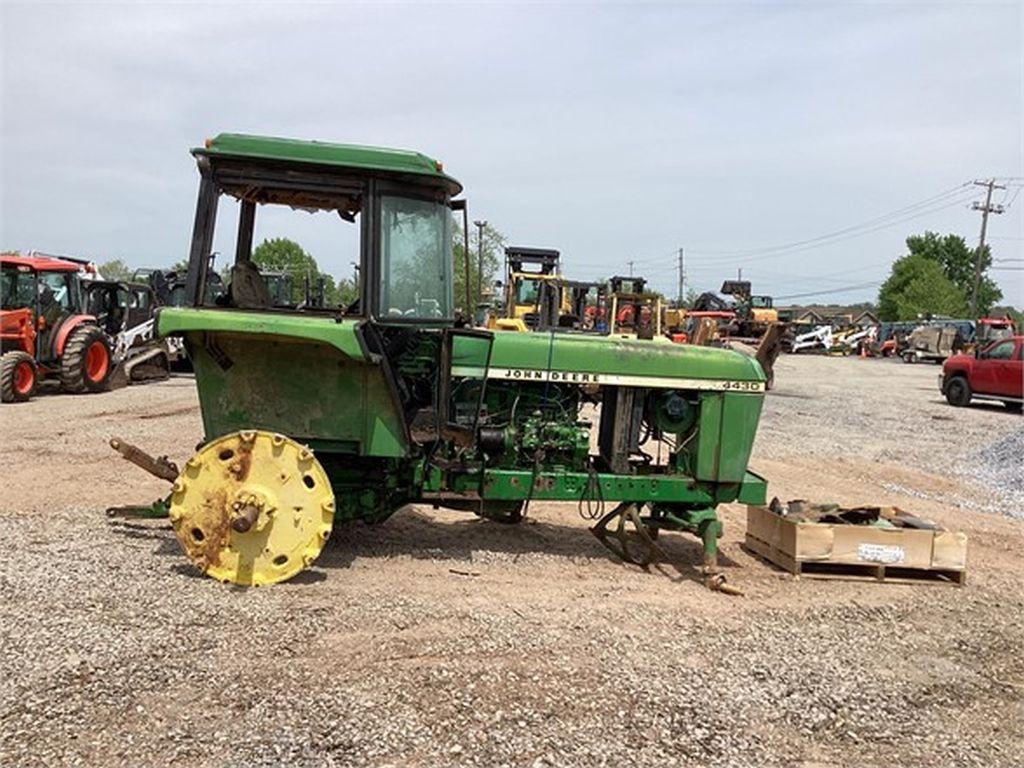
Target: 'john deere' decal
x=607 y=379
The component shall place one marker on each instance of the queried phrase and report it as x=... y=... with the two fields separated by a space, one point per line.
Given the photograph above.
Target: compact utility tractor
x=314 y=416
x=45 y=330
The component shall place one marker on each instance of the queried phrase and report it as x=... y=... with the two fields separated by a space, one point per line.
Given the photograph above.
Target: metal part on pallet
x=252 y=508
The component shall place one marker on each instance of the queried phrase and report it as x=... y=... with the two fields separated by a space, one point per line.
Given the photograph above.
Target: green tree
x=115 y=269
x=919 y=286
x=957 y=261
x=493 y=255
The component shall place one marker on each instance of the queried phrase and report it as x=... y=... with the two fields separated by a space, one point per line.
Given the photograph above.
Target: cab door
x=1015 y=383
x=997 y=371
x=140 y=305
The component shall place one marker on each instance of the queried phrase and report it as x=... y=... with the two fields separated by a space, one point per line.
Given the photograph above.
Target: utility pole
x=631 y=269
x=480 y=226
x=739 y=273
x=679 y=297
x=985 y=209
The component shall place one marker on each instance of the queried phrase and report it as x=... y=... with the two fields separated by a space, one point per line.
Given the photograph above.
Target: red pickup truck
x=995 y=372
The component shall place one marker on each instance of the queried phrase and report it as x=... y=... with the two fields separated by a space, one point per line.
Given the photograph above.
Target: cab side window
x=1003 y=351
x=55 y=288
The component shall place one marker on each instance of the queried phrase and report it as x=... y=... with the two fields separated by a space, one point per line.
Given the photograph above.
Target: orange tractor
x=44 y=332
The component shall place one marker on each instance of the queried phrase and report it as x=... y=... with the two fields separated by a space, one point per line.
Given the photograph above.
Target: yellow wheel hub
x=252 y=508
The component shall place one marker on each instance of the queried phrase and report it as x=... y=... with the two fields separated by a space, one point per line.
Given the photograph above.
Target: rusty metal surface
x=158 y=466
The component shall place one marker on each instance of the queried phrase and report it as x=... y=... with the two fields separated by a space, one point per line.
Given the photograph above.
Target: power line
x=845 y=289
x=870 y=222
x=854 y=235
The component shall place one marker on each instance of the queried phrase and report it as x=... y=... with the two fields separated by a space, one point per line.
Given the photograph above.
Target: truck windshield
x=416 y=259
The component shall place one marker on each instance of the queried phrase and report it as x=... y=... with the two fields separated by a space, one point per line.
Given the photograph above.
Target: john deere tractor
x=322 y=416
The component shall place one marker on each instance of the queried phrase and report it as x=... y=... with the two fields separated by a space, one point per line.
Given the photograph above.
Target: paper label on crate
x=881 y=553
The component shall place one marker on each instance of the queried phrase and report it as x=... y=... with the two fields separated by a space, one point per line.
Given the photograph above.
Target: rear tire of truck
x=958 y=392
x=86 y=363
x=18 y=377
x=1014 y=407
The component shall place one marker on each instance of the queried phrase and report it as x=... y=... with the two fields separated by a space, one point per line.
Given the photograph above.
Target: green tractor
x=325 y=415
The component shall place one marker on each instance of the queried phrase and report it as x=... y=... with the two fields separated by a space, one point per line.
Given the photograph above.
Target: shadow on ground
x=451 y=538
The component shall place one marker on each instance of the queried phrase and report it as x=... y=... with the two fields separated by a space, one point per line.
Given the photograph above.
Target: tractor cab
x=169 y=285
x=394 y=206
x=279 y=287
x=119 y=305
x=38 y=293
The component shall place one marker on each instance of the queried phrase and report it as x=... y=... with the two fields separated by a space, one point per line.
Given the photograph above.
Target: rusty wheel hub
x=252 y=508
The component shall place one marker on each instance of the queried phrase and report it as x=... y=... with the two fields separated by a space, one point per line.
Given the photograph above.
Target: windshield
x=416 y=259
x=18 y=288
x=526 y=291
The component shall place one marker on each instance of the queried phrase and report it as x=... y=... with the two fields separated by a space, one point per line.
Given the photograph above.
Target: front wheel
x=85 y=365
x=18 y=377
x=958 y=392
x=1013 y=406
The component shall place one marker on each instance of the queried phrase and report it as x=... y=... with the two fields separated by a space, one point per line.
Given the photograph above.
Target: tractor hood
x=584 y=359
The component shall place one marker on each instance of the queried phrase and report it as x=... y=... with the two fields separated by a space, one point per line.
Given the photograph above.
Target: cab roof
x=397 y=161
x=40 y=263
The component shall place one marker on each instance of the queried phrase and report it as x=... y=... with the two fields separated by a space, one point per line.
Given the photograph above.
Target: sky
x=741 y=133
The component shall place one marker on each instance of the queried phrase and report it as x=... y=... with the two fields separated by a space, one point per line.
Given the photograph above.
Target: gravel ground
x=436 y=639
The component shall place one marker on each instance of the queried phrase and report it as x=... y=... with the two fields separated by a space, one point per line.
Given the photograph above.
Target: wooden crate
x=826 y=550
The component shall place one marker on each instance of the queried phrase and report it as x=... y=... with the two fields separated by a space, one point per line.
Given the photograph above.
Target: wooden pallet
x=824 y=569
x=821 y=550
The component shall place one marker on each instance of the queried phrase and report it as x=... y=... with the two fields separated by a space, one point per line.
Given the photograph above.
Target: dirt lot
x=441 y=640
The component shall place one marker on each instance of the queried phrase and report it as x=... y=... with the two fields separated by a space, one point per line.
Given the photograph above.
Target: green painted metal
x=378 y=159
x=157 y=510
x=304 y=388
x=703 y=522
x=509 y=484
x=522 y=484
x=337 y=332
x=585 y=354
x=728 y=423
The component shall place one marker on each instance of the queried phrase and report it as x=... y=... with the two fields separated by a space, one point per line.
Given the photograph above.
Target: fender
x=64 y=330
x=16 y=325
